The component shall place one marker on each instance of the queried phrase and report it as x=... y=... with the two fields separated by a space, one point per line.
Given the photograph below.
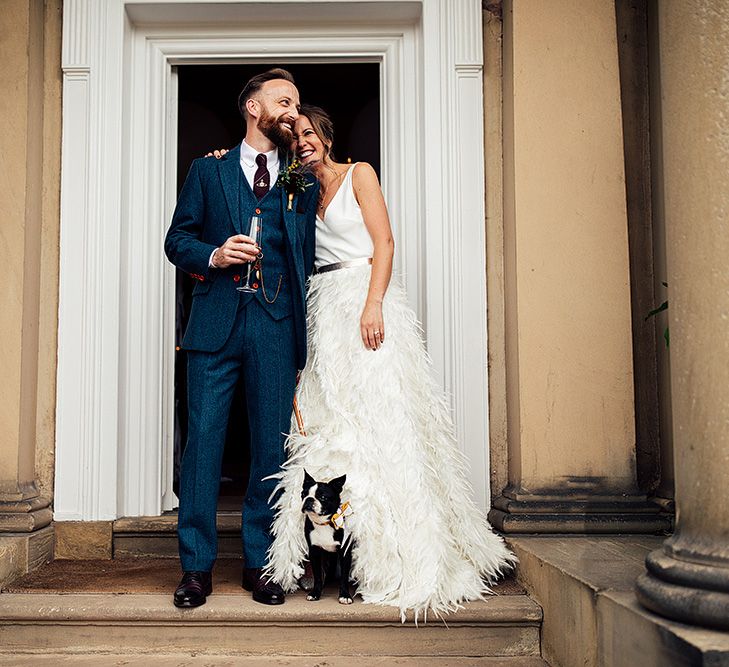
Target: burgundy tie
x=262 y=178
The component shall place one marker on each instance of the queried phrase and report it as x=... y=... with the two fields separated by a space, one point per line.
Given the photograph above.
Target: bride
x=372 y=411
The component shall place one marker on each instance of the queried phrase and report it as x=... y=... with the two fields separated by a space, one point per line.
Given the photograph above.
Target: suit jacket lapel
x=230 y=177
x=289 y=217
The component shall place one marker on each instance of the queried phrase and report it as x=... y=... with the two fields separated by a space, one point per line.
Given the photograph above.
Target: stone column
x=569 y=371
x=688 y=578
x=29 y=173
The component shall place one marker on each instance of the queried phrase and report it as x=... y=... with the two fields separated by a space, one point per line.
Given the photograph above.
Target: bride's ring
x=377 y=333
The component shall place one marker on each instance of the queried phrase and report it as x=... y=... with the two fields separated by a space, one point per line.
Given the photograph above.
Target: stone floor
x=144 y=575
x=130 y=660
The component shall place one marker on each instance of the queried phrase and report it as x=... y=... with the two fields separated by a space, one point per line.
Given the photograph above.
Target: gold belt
x=346 y=264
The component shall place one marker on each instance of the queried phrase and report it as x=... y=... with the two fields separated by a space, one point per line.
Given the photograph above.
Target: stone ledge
x=24 y=552
x=585 y=506
x=591 y=615
x=630 y=629
x=156 y=536
x=580 y=524
x=501 y=626
x=227 y=522
x=192 y=659
x=83 y=540
x=72 y=609
x=102 y=606
x=25 y=513
x=25 y=522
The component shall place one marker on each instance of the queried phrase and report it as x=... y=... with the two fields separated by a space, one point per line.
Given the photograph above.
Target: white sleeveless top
x=342 y=234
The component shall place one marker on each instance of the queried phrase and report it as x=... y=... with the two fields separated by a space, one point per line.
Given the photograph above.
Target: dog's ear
x=338 y=483
x=309 y=481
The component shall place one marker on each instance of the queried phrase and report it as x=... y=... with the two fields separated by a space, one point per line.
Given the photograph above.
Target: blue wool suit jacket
x=207 y=213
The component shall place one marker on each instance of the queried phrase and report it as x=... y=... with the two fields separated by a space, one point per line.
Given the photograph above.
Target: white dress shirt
x=249 y=166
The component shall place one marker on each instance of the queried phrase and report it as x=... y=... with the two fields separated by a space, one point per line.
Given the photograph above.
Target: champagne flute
x=255 y=234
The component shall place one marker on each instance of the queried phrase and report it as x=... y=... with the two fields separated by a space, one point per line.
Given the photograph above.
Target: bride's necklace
x=324 y=190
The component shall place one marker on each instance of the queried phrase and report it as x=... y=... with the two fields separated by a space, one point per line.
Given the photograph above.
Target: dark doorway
x=208 y=118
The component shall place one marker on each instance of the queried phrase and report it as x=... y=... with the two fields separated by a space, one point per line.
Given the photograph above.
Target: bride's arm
x=369 y=196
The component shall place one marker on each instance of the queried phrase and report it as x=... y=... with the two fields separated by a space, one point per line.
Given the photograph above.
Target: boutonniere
x=294 y=180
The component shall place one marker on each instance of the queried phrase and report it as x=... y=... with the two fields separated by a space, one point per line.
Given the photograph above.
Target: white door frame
x=118 y=185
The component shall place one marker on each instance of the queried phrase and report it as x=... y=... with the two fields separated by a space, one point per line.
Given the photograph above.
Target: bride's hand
x=372 y=326
x=217 y=153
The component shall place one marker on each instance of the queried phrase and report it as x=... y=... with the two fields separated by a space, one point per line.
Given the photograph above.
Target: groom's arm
x=184 y=246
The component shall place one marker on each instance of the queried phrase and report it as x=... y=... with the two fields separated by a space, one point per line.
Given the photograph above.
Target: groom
x=260 y=337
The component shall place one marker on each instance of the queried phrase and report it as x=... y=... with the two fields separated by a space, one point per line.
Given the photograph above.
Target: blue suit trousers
x=263 y=350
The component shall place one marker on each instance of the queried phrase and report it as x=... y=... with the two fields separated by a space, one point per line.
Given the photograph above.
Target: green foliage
x=293 y=179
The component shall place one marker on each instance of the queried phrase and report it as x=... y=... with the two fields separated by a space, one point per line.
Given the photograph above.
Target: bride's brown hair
x=322 y=124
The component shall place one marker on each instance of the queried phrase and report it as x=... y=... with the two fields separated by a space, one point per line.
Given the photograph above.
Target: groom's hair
x=256 y=83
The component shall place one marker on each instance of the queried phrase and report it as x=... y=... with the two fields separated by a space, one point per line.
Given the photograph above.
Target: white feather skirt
x=420 y=542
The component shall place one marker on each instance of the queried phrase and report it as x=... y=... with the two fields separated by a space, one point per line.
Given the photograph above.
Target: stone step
x=192 y=660
x=112 y=607
x=234 y=624
x=156 y=536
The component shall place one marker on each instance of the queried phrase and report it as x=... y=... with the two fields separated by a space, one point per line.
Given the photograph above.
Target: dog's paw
x=345 y=600
x=313 y=597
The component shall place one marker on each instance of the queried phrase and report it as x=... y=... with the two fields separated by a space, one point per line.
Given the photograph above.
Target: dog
x=325 y=533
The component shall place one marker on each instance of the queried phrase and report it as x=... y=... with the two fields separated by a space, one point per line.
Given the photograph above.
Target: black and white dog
x=326 y=534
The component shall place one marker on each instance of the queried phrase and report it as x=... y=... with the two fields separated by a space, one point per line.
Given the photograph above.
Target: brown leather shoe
x=193 y=589
x=264 y=590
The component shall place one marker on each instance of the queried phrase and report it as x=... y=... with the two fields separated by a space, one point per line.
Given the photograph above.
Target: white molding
x=87 y=399
x=74 y=54
x=465 y=28
x=118 y=188
x=169 y=499
x=146 y=343
x=456 y=311
x=72 y=421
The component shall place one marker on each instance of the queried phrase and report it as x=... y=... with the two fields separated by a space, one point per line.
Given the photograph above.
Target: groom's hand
x=238 y=249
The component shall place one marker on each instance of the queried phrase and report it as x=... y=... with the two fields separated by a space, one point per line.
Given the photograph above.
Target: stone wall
x=30 y=137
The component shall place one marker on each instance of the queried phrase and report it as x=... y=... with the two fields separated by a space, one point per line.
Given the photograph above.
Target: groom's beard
x=271 y=127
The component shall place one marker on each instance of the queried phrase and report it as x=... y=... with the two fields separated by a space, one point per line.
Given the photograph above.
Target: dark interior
x=208 y=119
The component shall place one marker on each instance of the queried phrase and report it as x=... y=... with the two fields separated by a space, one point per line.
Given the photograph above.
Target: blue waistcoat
x=276 y=262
